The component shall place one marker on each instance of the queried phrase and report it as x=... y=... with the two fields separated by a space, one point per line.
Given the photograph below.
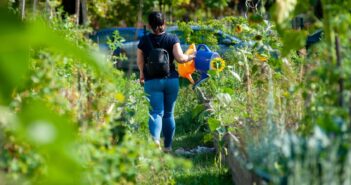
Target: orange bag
x=186 y=69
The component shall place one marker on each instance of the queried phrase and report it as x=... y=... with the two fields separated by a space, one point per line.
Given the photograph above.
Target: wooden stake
x=339 y=66
x=248 y=86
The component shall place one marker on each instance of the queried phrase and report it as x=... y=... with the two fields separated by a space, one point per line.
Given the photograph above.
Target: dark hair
x=156 y=21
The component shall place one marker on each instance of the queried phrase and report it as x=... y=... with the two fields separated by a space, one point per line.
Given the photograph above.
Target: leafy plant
x=66 y=109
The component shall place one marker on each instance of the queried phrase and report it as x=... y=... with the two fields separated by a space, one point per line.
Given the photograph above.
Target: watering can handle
x=204 y=46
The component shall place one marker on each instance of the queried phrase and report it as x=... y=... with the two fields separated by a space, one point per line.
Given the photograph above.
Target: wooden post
x=339 y=66
x=234 y=156
x=79 y=89
x=77 y=11
x=89 y=101
x=248 y=86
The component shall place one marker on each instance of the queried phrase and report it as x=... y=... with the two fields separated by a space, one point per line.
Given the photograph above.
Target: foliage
x=68 y=110
x=301 y=158
x=247 y=74
x=273 y=98
x=290 y=111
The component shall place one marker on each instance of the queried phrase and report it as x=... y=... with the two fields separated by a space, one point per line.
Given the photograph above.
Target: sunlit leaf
x=208 y=137
x=293 y=40
x=235 y=75
x=283 y=9
x=54 y=137
x=42 y=35
x=213 y=124
x=197 y=110
x=14 y=54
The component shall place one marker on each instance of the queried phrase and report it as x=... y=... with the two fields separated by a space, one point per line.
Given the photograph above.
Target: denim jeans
x=162 y=94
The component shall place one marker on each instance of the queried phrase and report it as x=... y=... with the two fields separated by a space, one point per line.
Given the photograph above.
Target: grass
x=206 y=170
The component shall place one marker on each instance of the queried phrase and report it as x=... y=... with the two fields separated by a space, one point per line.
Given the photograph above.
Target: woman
x=161 y=92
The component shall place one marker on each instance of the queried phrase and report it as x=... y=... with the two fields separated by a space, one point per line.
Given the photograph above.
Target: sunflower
x=261 y=58
x=258 y=37
x=217 y=64
x=119 y=97
x=238 y=28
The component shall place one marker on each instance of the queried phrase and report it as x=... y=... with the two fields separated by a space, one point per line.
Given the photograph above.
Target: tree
x=35 y=3
x=23 y=8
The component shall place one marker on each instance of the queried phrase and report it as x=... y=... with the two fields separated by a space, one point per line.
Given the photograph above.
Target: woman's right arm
x=140 y=62
x=179 y=55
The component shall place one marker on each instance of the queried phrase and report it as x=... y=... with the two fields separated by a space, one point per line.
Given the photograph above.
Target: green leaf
x=54 y=137
x=14 y=55
x=208 y=137
x=235 y=75
x=228 y=90
x=212 y=72
x=197 y=110
x=282 y=10
x=41 y=35
x=13 y=71
x=18 y=37
x=180 y=2
x=293 y=40
x=213 y=124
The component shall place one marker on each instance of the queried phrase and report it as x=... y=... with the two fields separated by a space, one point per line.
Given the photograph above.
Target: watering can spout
x=190 y=78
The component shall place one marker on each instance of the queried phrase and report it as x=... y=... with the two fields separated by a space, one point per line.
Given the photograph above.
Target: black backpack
x=157 y=63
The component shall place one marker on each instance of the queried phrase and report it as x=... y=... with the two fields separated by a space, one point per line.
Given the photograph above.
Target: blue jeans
x=162 y=94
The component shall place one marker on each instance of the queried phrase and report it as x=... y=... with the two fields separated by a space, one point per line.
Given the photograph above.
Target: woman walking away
x=155 y=54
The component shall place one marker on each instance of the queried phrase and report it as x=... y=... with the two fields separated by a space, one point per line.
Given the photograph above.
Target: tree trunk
x=171 y=12
x=77 y=11
x=161 y=4
x=35 y=3
x=84 y=11
x=23 y=8
x=48 y=8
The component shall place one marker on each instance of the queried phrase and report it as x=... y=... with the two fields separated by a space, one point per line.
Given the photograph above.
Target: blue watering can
x=203 y=59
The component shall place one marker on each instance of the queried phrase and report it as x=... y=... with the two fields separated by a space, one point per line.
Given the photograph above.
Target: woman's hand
x=180 y=56
x=192 y=56
x=141 y=79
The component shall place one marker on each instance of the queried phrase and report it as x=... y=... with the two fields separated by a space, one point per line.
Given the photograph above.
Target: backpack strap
x=149 y=41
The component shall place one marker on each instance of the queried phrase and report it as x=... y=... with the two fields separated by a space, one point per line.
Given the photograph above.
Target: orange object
x=186 y=69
